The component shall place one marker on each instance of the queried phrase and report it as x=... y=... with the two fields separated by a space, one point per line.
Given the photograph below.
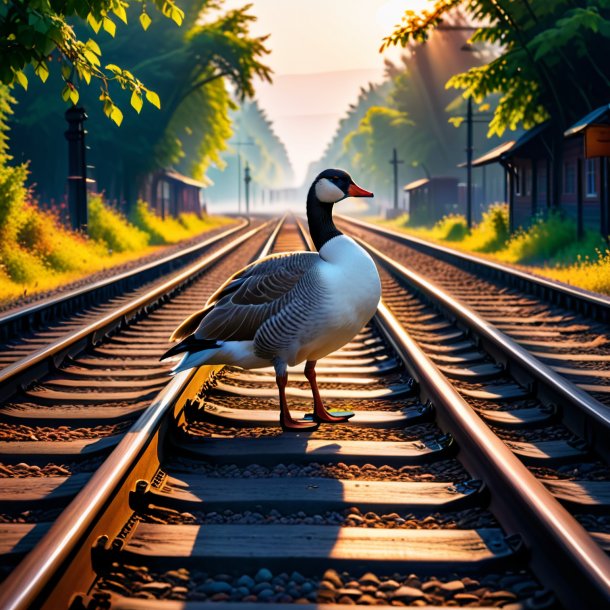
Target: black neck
x=320 y=219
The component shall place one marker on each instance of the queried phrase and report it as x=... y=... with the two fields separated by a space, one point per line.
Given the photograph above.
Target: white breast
x=352 y=291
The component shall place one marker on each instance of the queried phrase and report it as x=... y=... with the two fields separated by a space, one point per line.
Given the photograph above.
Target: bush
x=111 y=228
x=161 y=231
x=542 y=241
x=491 y=234
x=450 y=228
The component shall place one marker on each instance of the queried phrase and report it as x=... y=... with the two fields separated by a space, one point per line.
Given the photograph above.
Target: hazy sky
x=322 y=51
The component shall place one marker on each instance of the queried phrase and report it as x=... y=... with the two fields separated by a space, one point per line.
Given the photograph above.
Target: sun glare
x=390 y=14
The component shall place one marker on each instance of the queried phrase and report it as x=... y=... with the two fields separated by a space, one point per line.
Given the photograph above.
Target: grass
x=549 y=247
x=37 y=252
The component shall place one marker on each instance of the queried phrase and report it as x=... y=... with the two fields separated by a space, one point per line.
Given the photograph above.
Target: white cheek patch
x=327 y=192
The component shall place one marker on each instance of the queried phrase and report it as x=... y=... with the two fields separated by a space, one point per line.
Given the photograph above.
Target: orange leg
x=320 y=414
x=286 y=420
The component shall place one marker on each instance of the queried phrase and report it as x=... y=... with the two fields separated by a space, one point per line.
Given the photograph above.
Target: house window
x=569 y=178
x=590 y=178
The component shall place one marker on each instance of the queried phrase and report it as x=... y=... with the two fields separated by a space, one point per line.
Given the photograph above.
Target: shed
x=432 y=198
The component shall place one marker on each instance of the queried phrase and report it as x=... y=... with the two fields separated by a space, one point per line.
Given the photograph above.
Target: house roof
x=506 y=150
x=599 y=115
x=416 y=184
x=174 y=175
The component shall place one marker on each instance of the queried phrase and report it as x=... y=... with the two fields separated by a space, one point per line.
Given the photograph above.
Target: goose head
x=329 y=187
x=333 y=185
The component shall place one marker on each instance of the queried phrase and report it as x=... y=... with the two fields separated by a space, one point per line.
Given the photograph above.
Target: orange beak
x=355 y=191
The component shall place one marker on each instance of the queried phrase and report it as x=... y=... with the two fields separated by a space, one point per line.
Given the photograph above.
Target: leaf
x=91 y=44
x=154 y=99
x=94 y=23
x=119 y=11
x=114 y=68
x=136 y=101
x=456 y=121
x=74 y=96
x=66 y=69
x=42 y=72
x=145 y=21
x=176 y=15
x=65 y=93
x=109 y=26
x=91 y=57
x=22 y=79
x=116 y=115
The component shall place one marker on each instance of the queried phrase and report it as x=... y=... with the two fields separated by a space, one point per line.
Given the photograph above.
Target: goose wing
x=238 y=309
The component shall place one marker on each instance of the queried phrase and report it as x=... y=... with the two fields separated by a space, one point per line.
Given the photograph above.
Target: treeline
x=259 y=146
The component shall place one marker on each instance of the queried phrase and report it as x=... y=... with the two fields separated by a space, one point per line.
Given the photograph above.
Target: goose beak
x=355 y=191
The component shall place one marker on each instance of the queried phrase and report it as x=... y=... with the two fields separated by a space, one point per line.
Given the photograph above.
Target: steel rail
x=28 y=316
x=41 y=570
x=588 y=303
x=582 y=413
x=43 y=360
x=563 y=554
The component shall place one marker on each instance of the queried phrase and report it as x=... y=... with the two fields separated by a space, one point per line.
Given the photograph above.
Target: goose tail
x=192 y=360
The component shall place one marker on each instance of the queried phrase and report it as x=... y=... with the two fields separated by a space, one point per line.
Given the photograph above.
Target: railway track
x=417 y=501
x=27 y=329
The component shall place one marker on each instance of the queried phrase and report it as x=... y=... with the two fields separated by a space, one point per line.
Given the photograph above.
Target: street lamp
x=77 y=167
x=238 y=144
x=247 y=180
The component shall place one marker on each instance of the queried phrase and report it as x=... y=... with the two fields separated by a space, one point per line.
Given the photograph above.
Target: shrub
x=450 y=228
x=491 y=233
x=540 y=242
x=161 y=231
x=111 y=228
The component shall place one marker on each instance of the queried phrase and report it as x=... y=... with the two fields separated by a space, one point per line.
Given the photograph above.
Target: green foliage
x=190 y=68
x=369 y=145
x=543 y=45
x=161 y=231
x=541 y=242
x=111 y=228
x=491 y=234
x=39 y=32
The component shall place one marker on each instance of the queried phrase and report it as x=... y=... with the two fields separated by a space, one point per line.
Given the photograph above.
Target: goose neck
x=320 y=219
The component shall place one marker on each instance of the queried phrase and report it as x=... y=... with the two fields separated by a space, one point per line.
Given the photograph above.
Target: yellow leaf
x=94 y=23
x=91 y=44
x=136 y=101
x=86 y=74
x=177 y=15
x=116 y=115
x=74 y=96
x=65 y=93
x=119 y=11
x=22 y=79
x=113 y=68
x=153 y=98
x=109 y=26
x=91 y=57
x=42 y=71
x=145 y=21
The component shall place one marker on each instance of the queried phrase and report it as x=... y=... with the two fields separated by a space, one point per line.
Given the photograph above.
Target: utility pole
x=469 y=151
x=239 y=144
x=247 y=180
x=395 y=162
x=77 y=168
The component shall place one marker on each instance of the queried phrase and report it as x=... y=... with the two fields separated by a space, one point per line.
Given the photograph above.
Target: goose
x=289 y=308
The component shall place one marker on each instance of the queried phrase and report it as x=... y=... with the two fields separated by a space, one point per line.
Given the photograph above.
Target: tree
x=190 y=68
x=265 y=153
x=37 y=32
x=552 y=62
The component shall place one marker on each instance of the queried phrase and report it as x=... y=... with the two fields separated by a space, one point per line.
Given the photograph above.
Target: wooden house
x=170 y=193
x=432 y=198
x=584 y=180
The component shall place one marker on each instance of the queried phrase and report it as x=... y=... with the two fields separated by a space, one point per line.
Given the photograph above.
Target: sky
x=322 y=52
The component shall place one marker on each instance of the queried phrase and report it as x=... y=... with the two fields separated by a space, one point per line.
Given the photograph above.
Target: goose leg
x=320 y=414
x=287 y=422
